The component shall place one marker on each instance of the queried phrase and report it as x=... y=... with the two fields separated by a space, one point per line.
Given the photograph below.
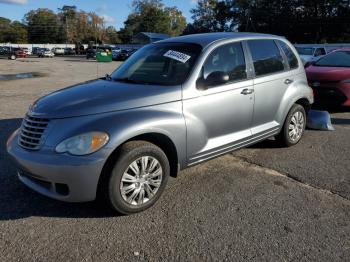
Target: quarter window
x=227 y=59
x=292 y=59
x=266 y=56
x=320 y=51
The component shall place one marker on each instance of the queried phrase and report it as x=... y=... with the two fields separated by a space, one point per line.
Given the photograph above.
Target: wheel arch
x=158 y=139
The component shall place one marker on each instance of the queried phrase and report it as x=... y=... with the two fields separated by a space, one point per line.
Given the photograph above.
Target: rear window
x=292 y=59
x=266 y=56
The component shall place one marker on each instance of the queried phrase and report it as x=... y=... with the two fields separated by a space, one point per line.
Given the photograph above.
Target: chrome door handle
x=288 y=81
x=247 y=91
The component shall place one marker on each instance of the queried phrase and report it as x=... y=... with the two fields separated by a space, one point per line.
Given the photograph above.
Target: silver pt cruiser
x=171 y=105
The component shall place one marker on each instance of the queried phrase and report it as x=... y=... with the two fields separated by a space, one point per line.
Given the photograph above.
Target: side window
x=320 y=51
x=266 y=56
x=292 y=59
x=227 y=59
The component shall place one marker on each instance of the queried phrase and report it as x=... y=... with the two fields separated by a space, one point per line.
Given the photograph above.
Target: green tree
x=112 y=36
x=177 y=20
x=12 y=32
x=44 y=26
x=152 y=16
x=313 y=21
x=68 y=19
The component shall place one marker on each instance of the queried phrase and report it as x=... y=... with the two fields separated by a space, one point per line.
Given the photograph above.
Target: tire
x=293 y=127
x=139 y=198
x=12 y=57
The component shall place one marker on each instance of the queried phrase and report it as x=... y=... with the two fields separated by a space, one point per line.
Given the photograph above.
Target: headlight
x=83 y=144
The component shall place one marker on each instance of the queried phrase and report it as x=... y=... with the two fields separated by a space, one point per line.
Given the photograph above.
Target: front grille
x=32 y=131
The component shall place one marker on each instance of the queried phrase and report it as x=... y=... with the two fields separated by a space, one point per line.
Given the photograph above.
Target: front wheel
x=294 y=126
x=138 y=178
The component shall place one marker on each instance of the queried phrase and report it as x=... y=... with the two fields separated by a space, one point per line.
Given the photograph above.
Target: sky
x=115 y=12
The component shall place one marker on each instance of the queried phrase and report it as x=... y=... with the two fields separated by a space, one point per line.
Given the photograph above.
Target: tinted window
x=228 y=59
x=305 y=50
x=292 y=59
x=266 y=57
x=159 y=64
x=320 y=51
x=335 y=59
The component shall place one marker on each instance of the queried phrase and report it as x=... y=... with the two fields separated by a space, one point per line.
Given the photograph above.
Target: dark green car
x=7 y=52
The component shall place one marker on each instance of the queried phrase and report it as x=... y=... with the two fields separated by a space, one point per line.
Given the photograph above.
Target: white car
x=45 y=52
x=310 y=54
x=58 y=51
x=27 y=51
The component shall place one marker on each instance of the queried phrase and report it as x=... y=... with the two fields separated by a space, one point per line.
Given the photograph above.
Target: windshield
x=305 y=50
x=335 y=59
x=159 y=64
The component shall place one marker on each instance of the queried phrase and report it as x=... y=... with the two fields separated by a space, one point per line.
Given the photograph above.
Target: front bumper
x=333 y=94
x=59 y=176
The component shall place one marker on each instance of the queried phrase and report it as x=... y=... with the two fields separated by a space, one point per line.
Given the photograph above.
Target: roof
x=155 y=35
x=208 y=38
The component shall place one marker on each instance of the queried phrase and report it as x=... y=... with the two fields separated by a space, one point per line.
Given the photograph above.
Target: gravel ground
x=260 y=203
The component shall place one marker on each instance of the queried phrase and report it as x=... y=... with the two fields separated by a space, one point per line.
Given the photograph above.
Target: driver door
x=219 y=117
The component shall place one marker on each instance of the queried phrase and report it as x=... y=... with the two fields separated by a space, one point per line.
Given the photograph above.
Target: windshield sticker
x=183 y=58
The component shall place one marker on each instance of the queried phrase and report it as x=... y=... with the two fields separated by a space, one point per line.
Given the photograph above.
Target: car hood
x=327 y=74
x=101 y=96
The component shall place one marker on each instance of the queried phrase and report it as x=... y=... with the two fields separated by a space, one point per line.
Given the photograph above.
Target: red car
x=19 y=52
x=329 y=77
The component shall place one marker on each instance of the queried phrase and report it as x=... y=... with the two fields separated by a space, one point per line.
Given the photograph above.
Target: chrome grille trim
x=32 y=132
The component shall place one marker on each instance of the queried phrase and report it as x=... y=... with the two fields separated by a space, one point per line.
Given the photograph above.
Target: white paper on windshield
x=183 y=58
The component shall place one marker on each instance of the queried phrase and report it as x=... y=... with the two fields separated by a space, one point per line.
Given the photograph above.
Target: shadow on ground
x=17 y=201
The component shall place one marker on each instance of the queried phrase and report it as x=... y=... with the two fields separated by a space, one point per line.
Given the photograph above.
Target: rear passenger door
x=271 y=81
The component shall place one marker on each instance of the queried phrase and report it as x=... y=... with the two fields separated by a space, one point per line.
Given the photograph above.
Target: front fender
x=166 y=119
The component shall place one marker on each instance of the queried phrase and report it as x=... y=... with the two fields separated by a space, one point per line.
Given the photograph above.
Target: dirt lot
x=260 y=203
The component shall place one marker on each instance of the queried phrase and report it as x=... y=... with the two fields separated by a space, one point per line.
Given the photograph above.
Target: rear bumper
x=59 y=176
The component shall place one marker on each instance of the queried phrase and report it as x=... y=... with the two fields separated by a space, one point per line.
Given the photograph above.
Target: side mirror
x=213 y=79
x=310 y=63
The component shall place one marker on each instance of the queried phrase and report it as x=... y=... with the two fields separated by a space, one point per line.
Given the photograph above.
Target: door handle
x=247 y=91
x=288 y=81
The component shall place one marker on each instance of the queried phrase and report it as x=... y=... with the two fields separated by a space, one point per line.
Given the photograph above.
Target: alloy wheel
x=141 y=180
x=296 y=126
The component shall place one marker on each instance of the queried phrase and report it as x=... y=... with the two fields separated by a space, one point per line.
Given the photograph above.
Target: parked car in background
x=91 y=53
x=174 y=104
x=115 y=53
x=58 y=51
x=309 y=54
x=329 y=77
x=35 y=50
x=27 y=51
x=125 y=54
x=19 y=52
x=7 y=52
x=45 y=52
x=69 y=51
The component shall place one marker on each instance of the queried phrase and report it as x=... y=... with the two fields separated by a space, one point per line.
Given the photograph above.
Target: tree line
x=301 y=21
x=70 y=25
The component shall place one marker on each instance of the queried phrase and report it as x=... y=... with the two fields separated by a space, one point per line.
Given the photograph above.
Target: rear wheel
x=294 y=126
x=138 y=178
